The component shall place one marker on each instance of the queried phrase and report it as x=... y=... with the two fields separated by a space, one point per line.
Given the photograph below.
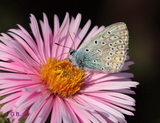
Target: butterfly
x=104 y=52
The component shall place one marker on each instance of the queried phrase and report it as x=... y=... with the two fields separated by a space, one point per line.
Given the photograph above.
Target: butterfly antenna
x=61 y=55
x=62 y=45
x=71 y=39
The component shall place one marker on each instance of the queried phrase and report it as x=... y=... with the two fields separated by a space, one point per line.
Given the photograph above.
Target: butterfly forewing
x=107 y=49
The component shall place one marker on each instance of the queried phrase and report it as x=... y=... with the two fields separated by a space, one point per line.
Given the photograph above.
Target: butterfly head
x=71 y=52
x=72 y=58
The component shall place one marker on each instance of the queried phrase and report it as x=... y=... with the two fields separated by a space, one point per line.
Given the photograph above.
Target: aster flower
x=39 y=81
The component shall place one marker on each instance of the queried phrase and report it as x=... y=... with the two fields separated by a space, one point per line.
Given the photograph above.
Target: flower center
x=61 y=78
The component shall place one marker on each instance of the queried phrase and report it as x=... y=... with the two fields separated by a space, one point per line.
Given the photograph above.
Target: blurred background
x=143 y=21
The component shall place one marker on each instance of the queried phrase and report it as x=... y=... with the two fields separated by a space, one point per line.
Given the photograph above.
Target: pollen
x=61 y=78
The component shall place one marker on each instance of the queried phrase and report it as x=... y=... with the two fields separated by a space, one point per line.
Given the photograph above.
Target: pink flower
x=39 y=81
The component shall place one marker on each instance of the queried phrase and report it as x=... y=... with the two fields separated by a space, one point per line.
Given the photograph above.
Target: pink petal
x=56 y=115
x=44 y=112
x=23 y=98
x=80 y=114
x=47 y=35
x=56 y=38
x=8 y=106
x=39 y=102
x=11 y=97
x=36 y=33
x=63 y=110
x=82 y=33
x=116 y=97
x=72 y=114
x=24 y=45
x=23 y=114
x=56 y=25
x=101 y=105
x=114 y=85
x=13 y=67
x=33 y=116
x=29 y=102
x=11 y=90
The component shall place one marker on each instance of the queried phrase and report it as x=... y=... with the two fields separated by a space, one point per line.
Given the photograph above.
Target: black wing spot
x=103 y=42
x=99 y=50
x=94 y=61
x=95 y=42
x=87 y=49
x=102 y=68
x=110 y=44
x=110 y=53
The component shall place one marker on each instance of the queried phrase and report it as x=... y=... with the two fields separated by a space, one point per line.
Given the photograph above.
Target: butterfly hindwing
x=106 y=51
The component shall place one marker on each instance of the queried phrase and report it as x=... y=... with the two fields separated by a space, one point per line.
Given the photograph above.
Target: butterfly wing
x=107 y=49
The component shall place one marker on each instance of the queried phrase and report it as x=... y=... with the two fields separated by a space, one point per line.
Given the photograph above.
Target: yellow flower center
x=61 y=78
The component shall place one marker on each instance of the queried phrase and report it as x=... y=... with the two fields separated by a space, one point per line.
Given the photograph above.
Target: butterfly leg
x=68 y=59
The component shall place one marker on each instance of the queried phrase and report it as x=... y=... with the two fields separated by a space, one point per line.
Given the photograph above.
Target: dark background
x=143 y=20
